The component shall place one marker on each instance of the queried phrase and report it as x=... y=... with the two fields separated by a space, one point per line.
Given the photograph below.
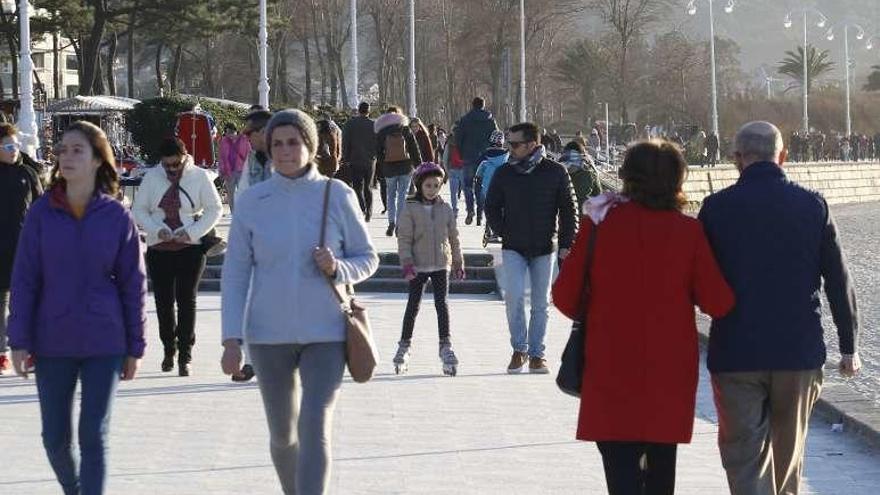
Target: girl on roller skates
x=428 y=245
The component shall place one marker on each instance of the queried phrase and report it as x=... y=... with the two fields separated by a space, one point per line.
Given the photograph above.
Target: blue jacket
x=775 y=242
x=472 y=134
x=491 y=160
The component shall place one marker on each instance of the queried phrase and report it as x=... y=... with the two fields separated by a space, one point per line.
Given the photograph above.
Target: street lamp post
x=860 y=35
x=607 y=134
x=412 y=59
x=692 y=10
x=354 y=55
x=263 y=86
x=806 y=83
x=522 y=61
x=27 y=118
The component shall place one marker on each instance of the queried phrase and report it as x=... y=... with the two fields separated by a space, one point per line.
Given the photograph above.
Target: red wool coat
x=649 y=270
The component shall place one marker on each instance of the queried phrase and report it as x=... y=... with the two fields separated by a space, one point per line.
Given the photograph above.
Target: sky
x=757 y=26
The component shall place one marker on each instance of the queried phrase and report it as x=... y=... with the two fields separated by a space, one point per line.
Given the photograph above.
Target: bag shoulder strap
x=345 y=302
x=188 y=197
x=588 y=267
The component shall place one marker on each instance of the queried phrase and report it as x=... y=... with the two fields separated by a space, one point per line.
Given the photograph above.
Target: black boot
x=183 y=363
x=391 y=230
x=168 y=362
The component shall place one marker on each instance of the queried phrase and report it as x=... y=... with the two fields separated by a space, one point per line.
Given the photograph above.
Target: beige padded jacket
x=428 y=239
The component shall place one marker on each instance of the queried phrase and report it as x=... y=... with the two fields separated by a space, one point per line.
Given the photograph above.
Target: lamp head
x=692 y=8
x=729 y=7
x=822 y=22
x=787 y=21
x=830 y=35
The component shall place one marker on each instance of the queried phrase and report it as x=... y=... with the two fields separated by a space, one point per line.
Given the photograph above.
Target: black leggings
x=624 y=474
x=176 y=276
x=440 y=283
x=362 y=183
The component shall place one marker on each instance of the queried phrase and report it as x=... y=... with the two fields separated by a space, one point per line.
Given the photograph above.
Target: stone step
x=470 y=260
x=384 y=271
x=386 y=285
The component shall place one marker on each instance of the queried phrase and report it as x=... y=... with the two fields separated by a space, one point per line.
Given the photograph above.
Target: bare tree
x=628 y=19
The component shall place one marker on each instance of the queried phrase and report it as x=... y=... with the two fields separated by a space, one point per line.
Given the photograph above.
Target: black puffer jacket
x=19 y=187
x=524 y=208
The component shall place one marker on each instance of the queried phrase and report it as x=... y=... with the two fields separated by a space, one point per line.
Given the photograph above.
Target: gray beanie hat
x=301 y=121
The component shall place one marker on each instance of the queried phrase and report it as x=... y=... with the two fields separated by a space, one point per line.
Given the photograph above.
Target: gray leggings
x=299 y=385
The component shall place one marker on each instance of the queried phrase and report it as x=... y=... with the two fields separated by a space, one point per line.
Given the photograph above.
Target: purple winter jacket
x=78 y=286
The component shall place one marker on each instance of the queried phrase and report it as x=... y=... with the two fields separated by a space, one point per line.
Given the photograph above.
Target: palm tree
x=818 y=65
x=874 y=79
x=580 y=69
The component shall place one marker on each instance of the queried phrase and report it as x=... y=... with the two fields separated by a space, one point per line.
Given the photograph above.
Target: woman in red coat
x=651 y=265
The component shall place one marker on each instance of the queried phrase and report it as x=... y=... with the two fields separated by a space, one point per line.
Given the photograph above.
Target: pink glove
x=409 y=272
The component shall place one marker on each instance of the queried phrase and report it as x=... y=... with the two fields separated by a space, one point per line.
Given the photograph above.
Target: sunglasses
x=10 y=147
x=516 y=144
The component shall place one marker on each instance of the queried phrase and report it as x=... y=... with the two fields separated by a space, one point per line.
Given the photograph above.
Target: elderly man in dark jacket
x=776 y=242
x=19 y=188
x=528 y=197
x=359 y=155
x=472 y=133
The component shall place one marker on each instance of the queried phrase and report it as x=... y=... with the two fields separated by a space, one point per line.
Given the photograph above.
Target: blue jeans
x=397 y=186
x=470 y=171
x=539 y=271
x=56 y=382
x=456 y=186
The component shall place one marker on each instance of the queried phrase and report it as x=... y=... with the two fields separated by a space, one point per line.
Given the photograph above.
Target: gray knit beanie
x=299 y=119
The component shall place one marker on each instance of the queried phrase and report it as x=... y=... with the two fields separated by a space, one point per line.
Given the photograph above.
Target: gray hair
x=759 y=141
x=301 y=121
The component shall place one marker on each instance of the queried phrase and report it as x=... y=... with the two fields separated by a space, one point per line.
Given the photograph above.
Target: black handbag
x=571 y=369
x=211 y=243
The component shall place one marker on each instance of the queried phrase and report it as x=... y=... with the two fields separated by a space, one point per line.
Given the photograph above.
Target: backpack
x=395 y=148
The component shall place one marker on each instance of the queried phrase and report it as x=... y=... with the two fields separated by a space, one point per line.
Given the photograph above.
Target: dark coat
x=391 y=123
x=19 y=188
x=776 y=242
x=359 y=142
x=472 y=134
x=524 y=208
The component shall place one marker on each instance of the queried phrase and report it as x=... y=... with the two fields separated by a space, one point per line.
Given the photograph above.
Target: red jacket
x=650 y=269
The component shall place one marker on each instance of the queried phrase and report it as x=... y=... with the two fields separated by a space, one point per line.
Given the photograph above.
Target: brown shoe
x=517 y=361
x=538 y=366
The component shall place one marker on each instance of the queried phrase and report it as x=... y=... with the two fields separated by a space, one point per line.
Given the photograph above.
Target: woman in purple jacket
x=78 y=294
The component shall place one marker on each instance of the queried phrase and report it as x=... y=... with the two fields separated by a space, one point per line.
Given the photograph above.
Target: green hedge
x=152 y=120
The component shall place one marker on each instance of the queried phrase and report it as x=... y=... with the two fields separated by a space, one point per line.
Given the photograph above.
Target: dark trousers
x=639 y=468
x=176 y=276
x=383 y=192
x=470 y=195
x=440 y=284
x=362 y=183
x=56 y=384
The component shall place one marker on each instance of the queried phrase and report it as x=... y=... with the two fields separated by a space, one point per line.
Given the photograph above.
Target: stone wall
x=838 y=182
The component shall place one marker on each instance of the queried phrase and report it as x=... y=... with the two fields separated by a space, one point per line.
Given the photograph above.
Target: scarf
x=170 y=202
x=597 y=207
x=530 y=163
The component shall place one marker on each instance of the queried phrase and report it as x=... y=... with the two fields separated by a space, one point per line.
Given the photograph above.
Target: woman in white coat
x=176 y=205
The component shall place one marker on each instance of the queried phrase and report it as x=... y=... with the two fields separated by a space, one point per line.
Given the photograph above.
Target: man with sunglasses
x=19 y=188
x=528 y=198
x=258 y=166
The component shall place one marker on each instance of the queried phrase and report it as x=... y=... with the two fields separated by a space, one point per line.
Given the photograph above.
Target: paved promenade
x=483 y=432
